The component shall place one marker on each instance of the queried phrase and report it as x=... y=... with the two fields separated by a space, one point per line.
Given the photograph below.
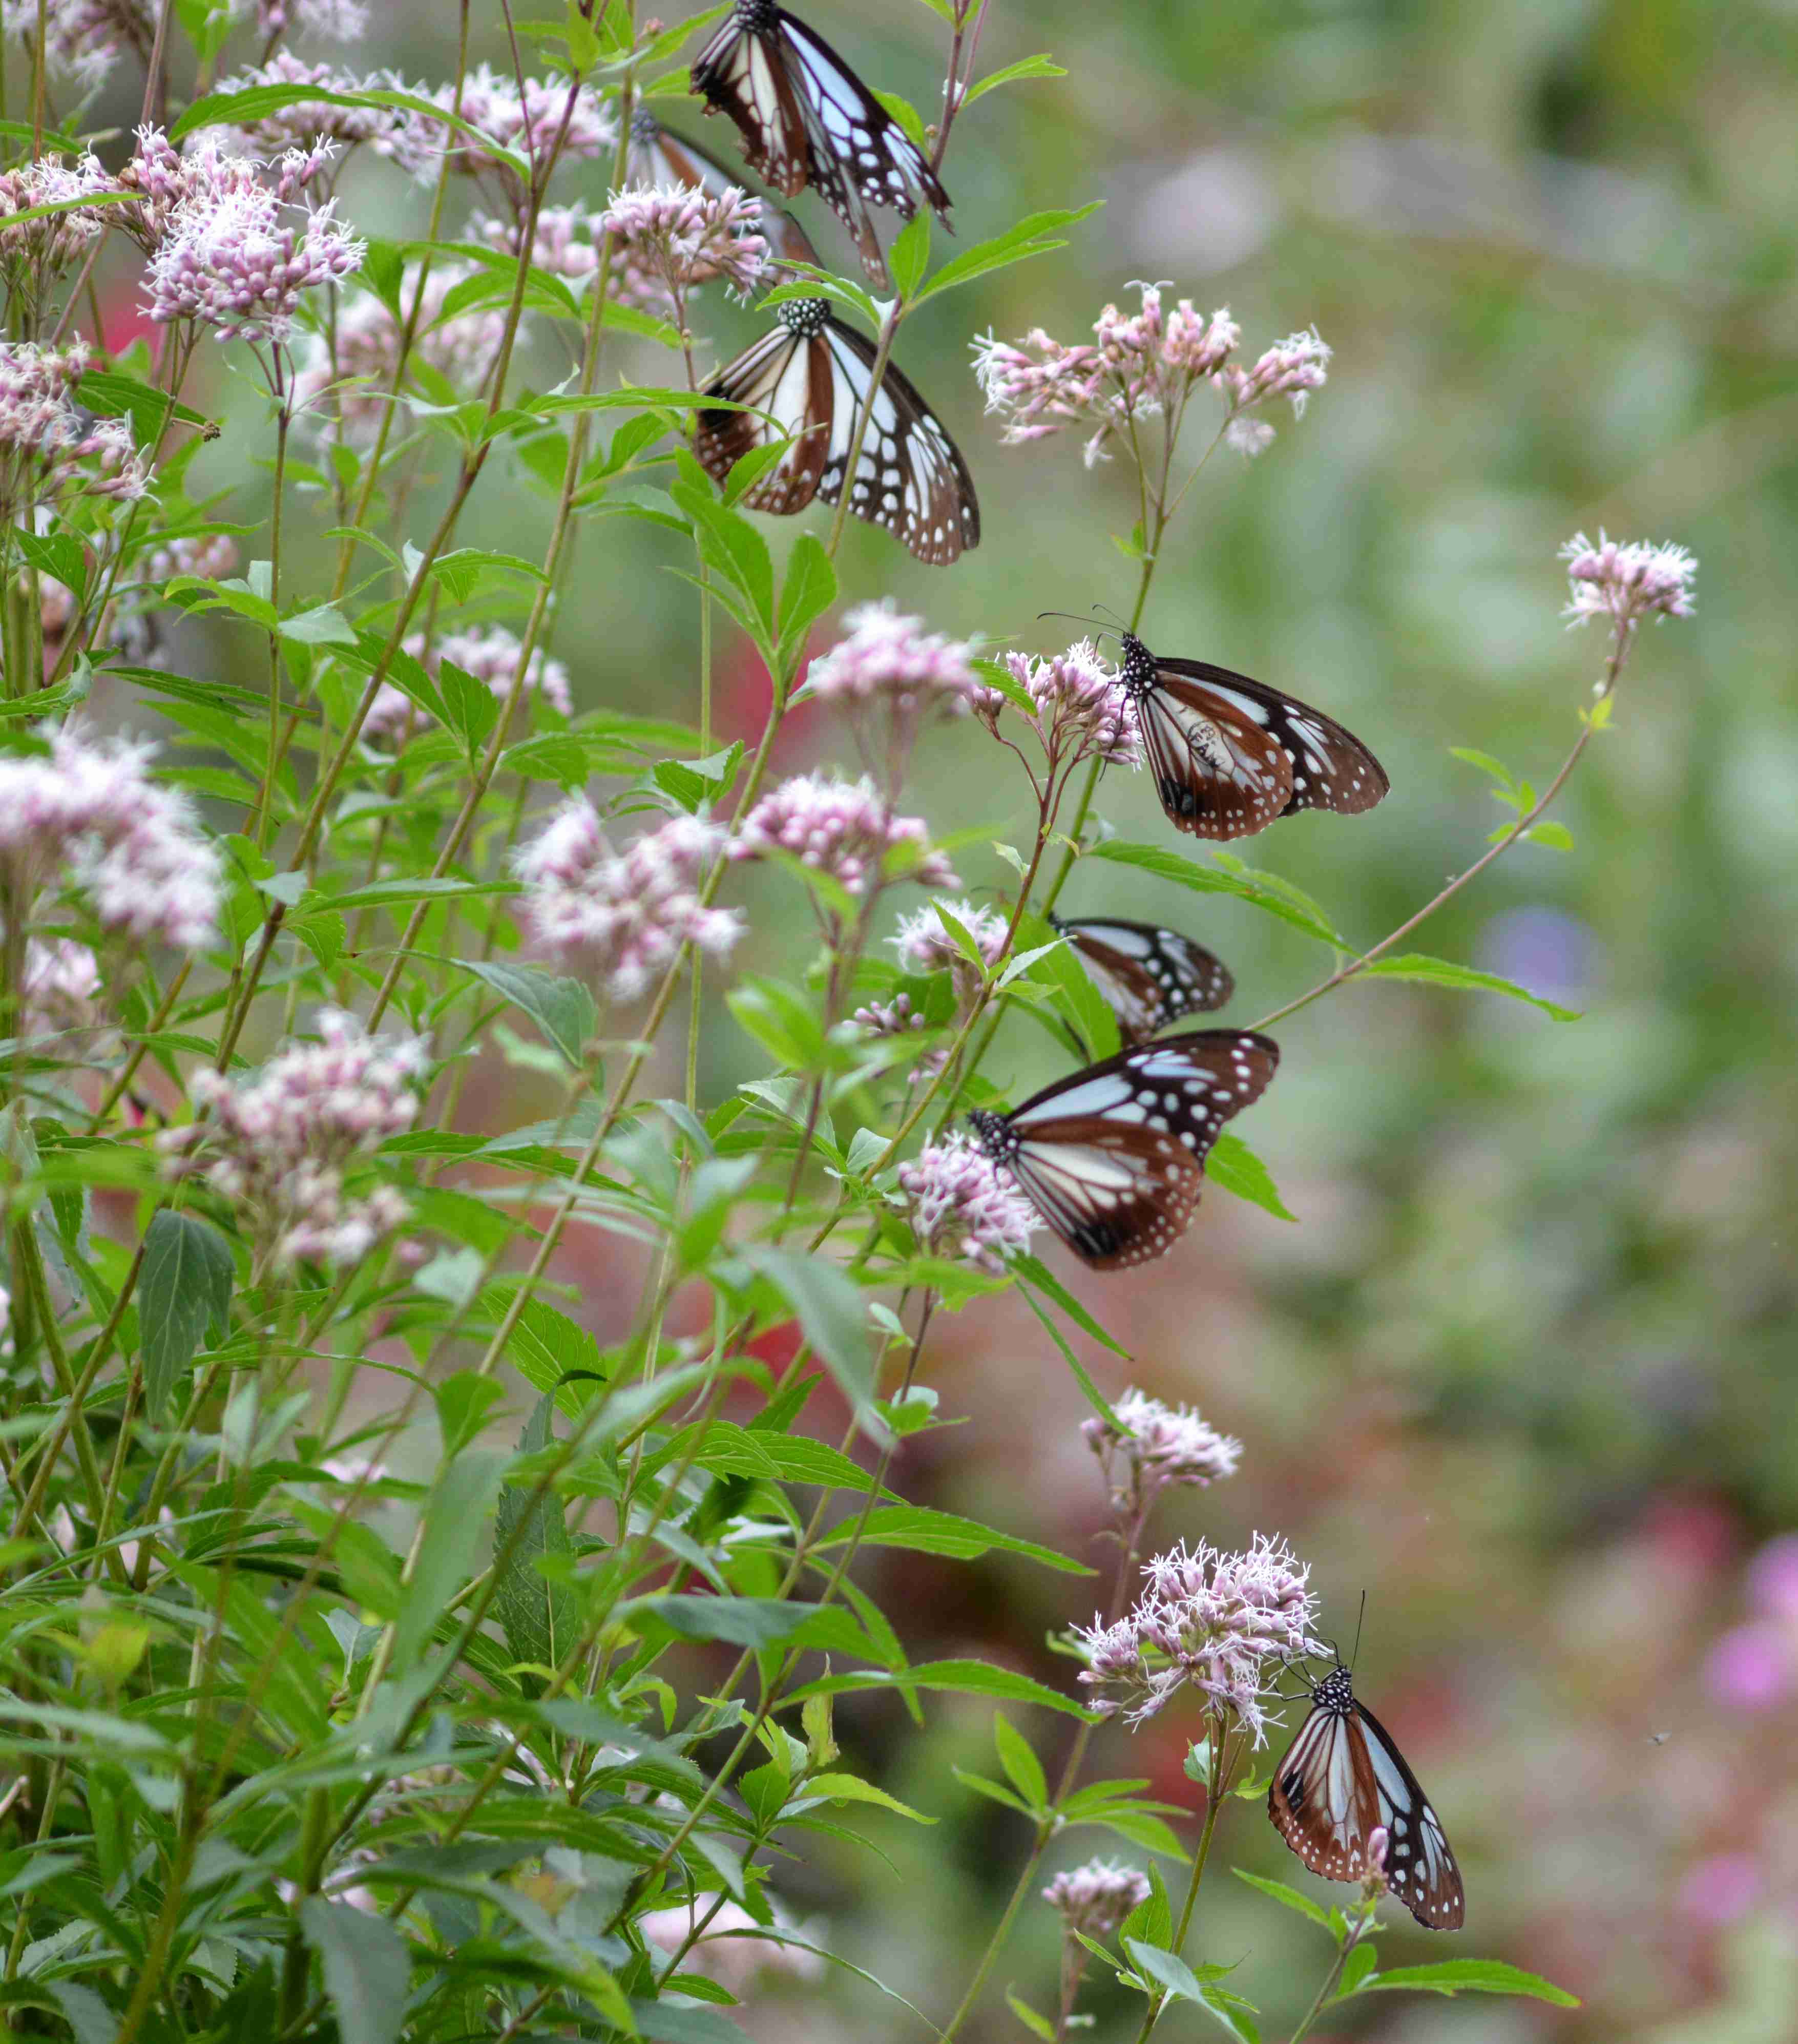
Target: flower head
x=61 y=987
x=961 y=1206
x=1626 y=580
x=734 y=1949
x=1220 y=1622
x=1162 y=1446
x=524 y=121
x=925 y=945
x=1291 y=368
x=280 y=1144
x=84 y=38
x=336 y=20
x=348 y=377
x=241 y=268
x=54 y=449
x=843 y=829
x=888 y=659
x=623 y=917
x=35 y=253
x=1081 y=711
x=489 y=653
x=303 y=124
x=130 y=846
x=176 y=188
x=1096 y=1898
x=563 y=242
x=689 y=236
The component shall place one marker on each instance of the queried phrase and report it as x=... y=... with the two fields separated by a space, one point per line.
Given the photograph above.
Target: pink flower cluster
x=622 y=918
x=336 y=20
x=1219 y=1622
x=1161 y=1446
x=896 y=1017
x=735 y=1949
x=489 y=652
x=925 y=945
x=84 y=38
x=1081 y=710
x=1094 y=1899
x=48 y=448
x=1140 y=364
x=1626 y=581
x=525 y=122
x=242 y=269
x=132 y=846
x=349 y=374
x=37 y=251
x=1754 y=1666
x=175 y=188
x=686 y=237
x=843 y=829
x=960 y=1205
x=563 y=244
x=61 y=988
x=303 y=126
x=887 y=659
x=279 y=1146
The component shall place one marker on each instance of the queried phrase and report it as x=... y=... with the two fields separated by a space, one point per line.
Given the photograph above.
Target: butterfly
x=813 y=375
x=1149 y=976
x=806 y=119
x=1229 y=754
x=658 y=156
x=1113 y=1157
x=1342 y=1776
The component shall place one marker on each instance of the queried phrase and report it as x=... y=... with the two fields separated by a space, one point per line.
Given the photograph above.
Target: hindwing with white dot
x=806 y=118
x=1341 y=1777
x=1149 y=976
x=1113 y=1157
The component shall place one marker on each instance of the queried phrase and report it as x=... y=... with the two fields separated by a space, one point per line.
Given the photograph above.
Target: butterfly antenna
x=1106 y=607
x=1354 y=1650
x=1116 y=629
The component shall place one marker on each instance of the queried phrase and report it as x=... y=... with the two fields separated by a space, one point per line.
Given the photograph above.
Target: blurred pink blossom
x=1772 y=1578
x=1721 y=1890
x=1751 y=1667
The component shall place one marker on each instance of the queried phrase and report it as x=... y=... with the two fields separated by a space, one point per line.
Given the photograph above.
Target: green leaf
x=1035 y=66
x=1288 y=1898
x=829 y=1308
x=1175 y=1977
x=927 y=1531
x=367 y=1972
x=455 y=1522
x=1265 y=890
x=1093 y=1397
x=562 y=1009
x=538 y=1618
x=1018 y=1760
x=909 y=256
x=470 y=708
x=1454 y=1976
x=1037 y=2026
x=185 y=1287
x=960 y=1678
x=323 y=625
x=1036 y=235
x=807 y=592
x=755 y=1622
x=851 y=1789
x=1442 y=972
x=1234 y=1166
x=1152 y=1919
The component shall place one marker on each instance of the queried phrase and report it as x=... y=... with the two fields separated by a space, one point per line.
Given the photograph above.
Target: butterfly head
x=645 y=128
x=756 y=16
x=803 y=317
x=1138 y=672
x=991 y=1133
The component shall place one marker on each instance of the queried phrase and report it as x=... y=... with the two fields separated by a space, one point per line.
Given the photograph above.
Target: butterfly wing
x=910 y=477
x=1149 y=976
x=658 y=156
x=789 y=375
x=1420 y=1867
x=742 y=72
x=1114 y=1157
x=1322 y=1798
x=861 y=157
x=1318 y=764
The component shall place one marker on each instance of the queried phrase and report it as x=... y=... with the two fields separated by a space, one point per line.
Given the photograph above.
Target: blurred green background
x=1523 y=1373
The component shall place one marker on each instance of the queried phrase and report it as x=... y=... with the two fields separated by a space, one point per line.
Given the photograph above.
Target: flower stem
x=1356 y=1931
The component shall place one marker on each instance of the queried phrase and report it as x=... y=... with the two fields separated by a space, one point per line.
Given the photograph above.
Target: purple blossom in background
x=61 y=987
x=526 y=123
x=134 y=848
x=889 y=1018
x=354 y=393
x=35 y=253
x=1773 y=1579
x=1719 y=1891
x=48 y=449
x=1081 y=711
x=336 y=20
x=279 y=1145
x=1096 y=1898
x=688 y=238
x=960 y=1205
x=841 y=828
x=885 y=657
x=622 y=919
x=84 y=38
x=1220 y=1622
x=1546 y=950
x=302 y=126
x=564 y=244
x=1752 y=1667
x=489 y=653
x=1164 y=1445
x=735 y=1950
x=925 y=945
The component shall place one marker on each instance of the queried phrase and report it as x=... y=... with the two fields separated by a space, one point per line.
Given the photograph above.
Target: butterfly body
x=1341 y=1778
x=806 y=119
x=814 y=374
x=1148 y=975
x=1229 y=754
x=1113 y=1157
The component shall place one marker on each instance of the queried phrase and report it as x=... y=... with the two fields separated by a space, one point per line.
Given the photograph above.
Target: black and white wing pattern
x=658 y=156
x=1150 y=976
x=813 y=375
x=1113 y=1157
x=1229 y=754
x=1341 y=1777
x=806 y=118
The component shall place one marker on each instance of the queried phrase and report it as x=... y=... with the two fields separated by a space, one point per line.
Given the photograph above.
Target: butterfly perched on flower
x=1150 y=976
x=1341 y=1779
x=813 y=374
x=1229 y=754
x=660 y=157
x=1113 y=1157
x=807 y=119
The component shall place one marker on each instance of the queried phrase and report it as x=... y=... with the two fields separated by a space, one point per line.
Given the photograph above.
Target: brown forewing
x=1206 y=796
